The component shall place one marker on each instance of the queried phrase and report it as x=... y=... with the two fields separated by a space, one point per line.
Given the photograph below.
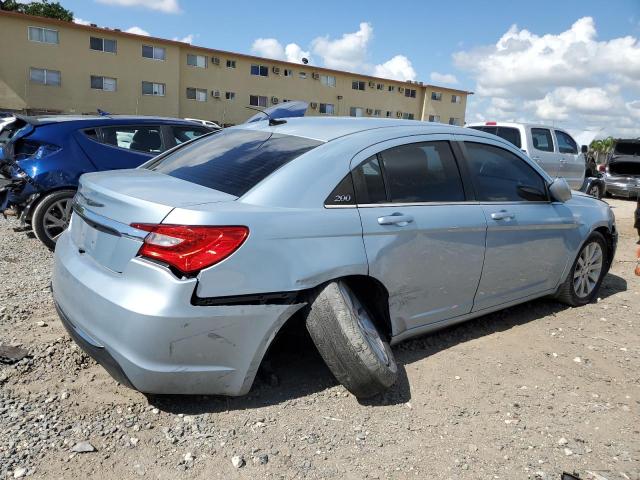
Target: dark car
x=42 y=158
x=622 y=169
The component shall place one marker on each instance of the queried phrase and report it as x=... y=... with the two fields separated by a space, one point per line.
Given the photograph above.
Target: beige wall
x=77 y=62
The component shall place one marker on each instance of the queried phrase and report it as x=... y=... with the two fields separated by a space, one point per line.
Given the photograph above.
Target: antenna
x=272 y=121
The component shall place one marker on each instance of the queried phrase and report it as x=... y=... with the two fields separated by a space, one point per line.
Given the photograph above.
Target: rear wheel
x=51 y=216
x=585 y=277
x=349 y=342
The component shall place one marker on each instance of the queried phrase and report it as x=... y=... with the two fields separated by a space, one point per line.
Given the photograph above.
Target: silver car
x=177 y=276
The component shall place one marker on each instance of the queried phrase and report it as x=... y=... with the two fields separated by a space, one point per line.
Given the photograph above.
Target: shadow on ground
x=293 y=368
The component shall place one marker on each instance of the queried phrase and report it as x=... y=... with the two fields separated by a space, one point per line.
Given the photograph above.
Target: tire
x=351 y=346
x=575 y=292
x=595 y=191
x=51 y=216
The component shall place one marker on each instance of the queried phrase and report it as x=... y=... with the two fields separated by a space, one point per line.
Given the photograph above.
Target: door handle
x=502 y=215
x=562 y=160
x=395 y=219
x=536 y=158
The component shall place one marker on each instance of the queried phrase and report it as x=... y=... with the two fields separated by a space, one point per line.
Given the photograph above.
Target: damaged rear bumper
x=147 y=334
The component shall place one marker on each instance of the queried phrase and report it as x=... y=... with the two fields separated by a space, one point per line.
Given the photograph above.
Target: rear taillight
x=187 y=248
x=601 y=168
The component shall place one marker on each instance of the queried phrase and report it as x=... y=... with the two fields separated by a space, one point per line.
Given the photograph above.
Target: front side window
x=199 y=61
x=501 y=176
x=258 y=100
x=566 y=144
x=44 y=76
x=184 y=134
x=542 y=140
x=103 y=44
x=233 y=161
x=259 y=70
x=156 y=53
x=328 y=80
x=327 y=108
x=43 y=35
x=107 y=84
x=154 y=89
x=422 y=172
x=142 y=139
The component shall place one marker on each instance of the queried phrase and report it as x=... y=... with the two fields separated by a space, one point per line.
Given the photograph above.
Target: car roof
x=100 y=119
x=326 y=129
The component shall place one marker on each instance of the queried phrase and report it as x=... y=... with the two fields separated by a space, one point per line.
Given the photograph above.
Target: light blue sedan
x=177 y=276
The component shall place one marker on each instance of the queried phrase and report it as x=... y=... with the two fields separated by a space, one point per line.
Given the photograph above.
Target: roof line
x=112 y=31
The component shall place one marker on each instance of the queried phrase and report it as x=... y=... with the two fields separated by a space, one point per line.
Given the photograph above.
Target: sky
x=570 y=63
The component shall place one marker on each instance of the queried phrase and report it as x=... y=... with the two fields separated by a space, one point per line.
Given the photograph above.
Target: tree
x=43 y=8
x=604 y=147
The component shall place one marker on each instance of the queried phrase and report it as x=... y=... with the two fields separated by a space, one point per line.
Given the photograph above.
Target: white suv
x=553 y=149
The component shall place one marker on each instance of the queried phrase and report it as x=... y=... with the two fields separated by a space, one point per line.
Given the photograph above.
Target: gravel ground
x=528 y=392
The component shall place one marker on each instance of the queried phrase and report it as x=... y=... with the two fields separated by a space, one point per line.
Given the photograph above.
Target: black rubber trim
x=99 y=354
x=273 y=298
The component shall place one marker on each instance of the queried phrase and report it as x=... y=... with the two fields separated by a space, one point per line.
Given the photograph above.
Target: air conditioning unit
x=314 y=105
x=372 y=84
x=399 y=114
x=215 y=93
x=339 y=97
x=274 y=100
x=276 y=70
x=369 y=111
x=215 y=60
x=315 y=76
x=401 y=89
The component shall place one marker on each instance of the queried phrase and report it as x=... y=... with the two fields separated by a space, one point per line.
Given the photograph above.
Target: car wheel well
x=608 y=236
x=42 y=196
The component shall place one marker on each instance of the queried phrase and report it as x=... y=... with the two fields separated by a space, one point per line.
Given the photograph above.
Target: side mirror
x=584 y=149
x=560 y=190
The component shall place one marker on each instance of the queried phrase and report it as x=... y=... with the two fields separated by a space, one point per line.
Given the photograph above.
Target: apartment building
x=51 y=66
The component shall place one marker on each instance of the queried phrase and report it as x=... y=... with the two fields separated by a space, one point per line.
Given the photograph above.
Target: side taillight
x=189 y=248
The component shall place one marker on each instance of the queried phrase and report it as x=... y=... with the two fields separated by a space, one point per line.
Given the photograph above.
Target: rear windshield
x=510 y=134
x=233 y=161
x=627 y=148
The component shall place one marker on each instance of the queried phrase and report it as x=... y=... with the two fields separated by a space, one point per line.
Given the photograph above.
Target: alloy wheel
x=56 y=218
x=587 y=270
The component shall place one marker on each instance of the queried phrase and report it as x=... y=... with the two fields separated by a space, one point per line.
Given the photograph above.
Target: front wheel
x=51 y=216
x=587 y=272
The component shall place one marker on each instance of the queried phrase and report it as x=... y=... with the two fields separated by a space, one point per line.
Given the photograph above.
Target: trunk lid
x=107 y=203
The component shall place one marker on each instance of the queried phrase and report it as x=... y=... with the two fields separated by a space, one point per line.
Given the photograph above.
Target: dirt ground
x=524 y=393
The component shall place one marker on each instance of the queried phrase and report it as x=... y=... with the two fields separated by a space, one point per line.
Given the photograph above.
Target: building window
x=436 y=96
x=408 y=116
x=157 y=53
x=328 y=80
x=377 y=112
x=434 y=118
x=107 y=84
x=231 y=64
x=455 y=121
x=155 y=89
x=392 y=88
x=379 y=86
x=409 y=92
x=288 y=72
x=456 y=99
x=43 y=35
x=302 y=75
x=356 y=111
x=389 y=114
x=257 y=100
x=199 y=61
x=103 y=44
x=45 y=77
x=259 y=70
x=230 y=95
x=357 y=85
x=327 y=108
x=198 y=94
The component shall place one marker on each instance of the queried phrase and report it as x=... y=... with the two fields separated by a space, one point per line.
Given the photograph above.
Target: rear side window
x=368 y=182
x=501 y=176
x=233 y=161
x=422 y=172
x=541 y=138
x=566 y=144
x=145 y=139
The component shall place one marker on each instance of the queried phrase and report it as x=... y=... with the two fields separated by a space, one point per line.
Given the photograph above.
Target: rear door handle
x=502 y=215
x=397 y=218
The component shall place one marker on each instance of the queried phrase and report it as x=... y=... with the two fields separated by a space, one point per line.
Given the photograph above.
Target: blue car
x=41 y=162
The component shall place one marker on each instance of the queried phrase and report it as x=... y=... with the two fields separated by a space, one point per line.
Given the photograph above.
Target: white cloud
x=137 y=31
x=570 y=77
x=80 y=21
x=165 y=6
x=444 y=78
x=348 y=52
x=186 y=39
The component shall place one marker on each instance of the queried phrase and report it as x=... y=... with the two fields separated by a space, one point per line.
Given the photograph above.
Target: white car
x=206 y=123
x=552 y=148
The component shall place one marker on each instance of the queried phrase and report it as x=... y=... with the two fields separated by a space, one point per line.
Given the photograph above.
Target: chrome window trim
x=440 y=204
